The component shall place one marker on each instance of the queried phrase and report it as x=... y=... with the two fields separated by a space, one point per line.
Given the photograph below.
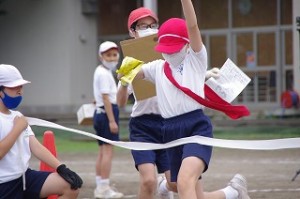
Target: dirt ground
x=268 y=173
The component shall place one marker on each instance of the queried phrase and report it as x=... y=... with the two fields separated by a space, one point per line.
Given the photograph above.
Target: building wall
x=296 y=46
x=255 y=34
x=55 y=47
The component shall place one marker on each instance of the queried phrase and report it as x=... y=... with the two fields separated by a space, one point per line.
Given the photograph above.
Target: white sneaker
x=163 y=194
x=107 y=192
x=239 y=183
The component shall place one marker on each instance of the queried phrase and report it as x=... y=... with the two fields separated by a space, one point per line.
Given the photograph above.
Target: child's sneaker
x=239 y=183
x=106 y=192
x=161 y=193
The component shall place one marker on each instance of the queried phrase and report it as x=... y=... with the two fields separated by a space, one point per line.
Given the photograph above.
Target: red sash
x=212 y=100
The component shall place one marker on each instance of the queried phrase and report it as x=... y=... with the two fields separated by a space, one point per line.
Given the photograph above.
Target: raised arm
x=192 y=25
x=122 y=95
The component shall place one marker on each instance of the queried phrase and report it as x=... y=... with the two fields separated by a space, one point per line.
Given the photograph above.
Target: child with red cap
x=146 y=121
x=185 y=56
x=18 y=142
x=106 y=117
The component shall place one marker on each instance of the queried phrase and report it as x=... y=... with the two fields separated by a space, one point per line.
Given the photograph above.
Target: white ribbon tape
x=275 y=144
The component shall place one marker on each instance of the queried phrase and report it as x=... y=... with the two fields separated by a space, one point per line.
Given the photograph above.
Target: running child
x=185 y=56
x=146 y=122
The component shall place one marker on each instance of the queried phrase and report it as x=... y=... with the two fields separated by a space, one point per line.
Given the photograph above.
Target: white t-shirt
x=191 y=74
x=16 y=161
x=142 y=107
x=104 y=83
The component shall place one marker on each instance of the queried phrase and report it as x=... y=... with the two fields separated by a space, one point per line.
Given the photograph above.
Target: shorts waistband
x=179 y=118
x=149 y=116
x=113 y=105
x=100 y=109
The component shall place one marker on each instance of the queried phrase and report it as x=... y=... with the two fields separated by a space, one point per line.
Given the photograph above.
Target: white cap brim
x=16 y=83
x=107 y=45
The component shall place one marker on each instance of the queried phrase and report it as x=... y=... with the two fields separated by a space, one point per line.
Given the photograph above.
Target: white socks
x=101 y=182
x=230 y=193
x=163 y=187
x=98 y=180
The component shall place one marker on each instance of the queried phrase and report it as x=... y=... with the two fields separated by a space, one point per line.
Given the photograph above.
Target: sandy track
x=269 y=173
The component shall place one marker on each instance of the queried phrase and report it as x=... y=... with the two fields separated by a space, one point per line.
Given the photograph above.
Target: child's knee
x=71 y=193
x=149 y=182
x=172 y=186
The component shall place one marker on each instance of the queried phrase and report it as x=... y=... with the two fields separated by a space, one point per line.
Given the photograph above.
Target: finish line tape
x=273 y=190
x=274 y=144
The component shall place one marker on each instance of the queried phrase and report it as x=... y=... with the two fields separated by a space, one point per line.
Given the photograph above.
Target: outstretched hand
x=70 y=176
x=214 y=72
x=128 y=70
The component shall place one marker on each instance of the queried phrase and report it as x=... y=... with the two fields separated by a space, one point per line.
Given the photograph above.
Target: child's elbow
x=140 y=75
x=121 y=101
x=1 y=155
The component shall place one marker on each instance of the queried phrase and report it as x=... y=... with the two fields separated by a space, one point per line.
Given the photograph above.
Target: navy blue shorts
x=101 y=124
x=147 y=128
x=34 y=183
x=186 y=125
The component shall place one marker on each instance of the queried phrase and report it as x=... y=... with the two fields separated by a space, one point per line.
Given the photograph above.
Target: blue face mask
x=11 y=102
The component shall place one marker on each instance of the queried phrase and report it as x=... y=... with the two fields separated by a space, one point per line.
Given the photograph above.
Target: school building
x=54 y=44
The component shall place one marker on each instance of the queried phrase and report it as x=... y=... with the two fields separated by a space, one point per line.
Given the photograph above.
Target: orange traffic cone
x=49 y=143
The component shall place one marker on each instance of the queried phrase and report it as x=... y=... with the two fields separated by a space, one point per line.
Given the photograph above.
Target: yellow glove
x=128 y=64
x=129 y=68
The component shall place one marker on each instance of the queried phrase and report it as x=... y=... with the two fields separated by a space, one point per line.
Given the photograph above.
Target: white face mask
x=110 y=65
x=147 y=32
x=175 y=59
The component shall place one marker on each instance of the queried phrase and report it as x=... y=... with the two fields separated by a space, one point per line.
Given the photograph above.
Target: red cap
x=172 y=36
x=138 y=14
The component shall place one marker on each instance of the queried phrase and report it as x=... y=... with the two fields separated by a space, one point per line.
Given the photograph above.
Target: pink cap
x=11 y=77
x=138 y=14
x=172 y=36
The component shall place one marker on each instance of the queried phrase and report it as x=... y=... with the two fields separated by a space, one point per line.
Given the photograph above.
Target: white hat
x=107 y=45
x=10 y=76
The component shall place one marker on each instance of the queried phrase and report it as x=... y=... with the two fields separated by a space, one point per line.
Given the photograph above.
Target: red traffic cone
x=49 y=143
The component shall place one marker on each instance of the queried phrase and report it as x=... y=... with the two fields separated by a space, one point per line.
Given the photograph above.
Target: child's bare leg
x=147 y=181
x=106 y=161
x=56 y=185
x=99 y=160
x=172 y=186
x=214 y=195
x=187 y=182
x=219 y=194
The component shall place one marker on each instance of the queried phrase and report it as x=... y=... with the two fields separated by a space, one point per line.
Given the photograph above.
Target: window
x=218 y=51
x=212 y=14
x=113 y=15
x=244 y=47
x=247 y=13
x=266 y=46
